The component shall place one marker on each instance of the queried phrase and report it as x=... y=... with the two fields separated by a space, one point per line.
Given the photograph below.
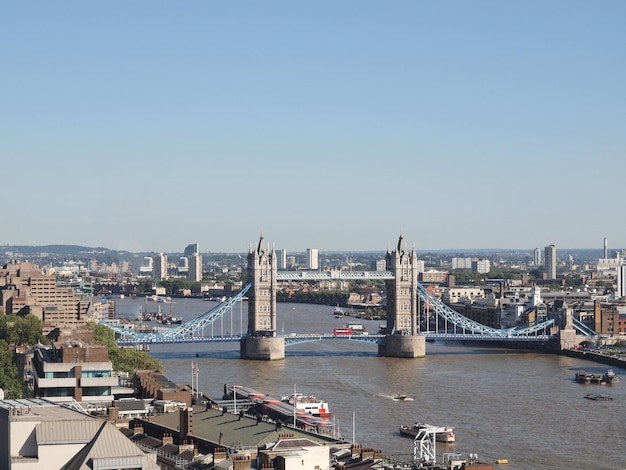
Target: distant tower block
x=261 y=342
x=402 y=338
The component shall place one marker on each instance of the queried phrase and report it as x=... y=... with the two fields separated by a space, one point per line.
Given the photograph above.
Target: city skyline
x=464 y=126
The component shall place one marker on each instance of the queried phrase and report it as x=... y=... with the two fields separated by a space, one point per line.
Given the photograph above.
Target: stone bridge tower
x=261 y=342
x=402 y=338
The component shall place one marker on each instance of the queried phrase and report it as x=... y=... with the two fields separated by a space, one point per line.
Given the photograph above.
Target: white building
x=195 y=267
x=312 y=258
x=482 y=266
x=160 y=267
x=452 y=295
x=281 y=259
x=537 y=257
x=147 y=266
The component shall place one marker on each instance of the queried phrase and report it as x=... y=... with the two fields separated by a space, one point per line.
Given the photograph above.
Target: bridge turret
x=402 y=336
x=261 y=341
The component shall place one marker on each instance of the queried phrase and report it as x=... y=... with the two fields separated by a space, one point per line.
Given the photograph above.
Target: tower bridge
x=404 y=297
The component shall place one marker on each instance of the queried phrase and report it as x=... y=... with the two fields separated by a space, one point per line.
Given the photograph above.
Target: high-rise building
x=537 y=257
x=195 y=267
x=606 y=248
x=159 y=267
x=281 y=259
x=621 y=281
x=312 y=258
x=550 y=261
x=482 y=266
x=191 y=249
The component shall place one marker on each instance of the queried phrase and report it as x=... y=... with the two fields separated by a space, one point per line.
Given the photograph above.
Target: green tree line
x=123 y=359
x=16 y=331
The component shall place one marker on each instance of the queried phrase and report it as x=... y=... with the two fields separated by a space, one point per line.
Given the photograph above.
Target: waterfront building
x=195 y=267
x=191 y=249
x=36 y=434
x=312 y=258
x=550 y=261
x=160 y=267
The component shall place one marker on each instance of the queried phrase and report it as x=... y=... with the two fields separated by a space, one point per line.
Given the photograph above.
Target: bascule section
x=261 y=342
x=402 y=339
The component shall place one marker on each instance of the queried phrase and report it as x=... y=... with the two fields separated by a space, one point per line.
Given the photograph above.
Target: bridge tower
x=261 y=342
x=402 y=339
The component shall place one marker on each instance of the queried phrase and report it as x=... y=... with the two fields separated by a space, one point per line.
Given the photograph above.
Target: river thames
x=521 y=406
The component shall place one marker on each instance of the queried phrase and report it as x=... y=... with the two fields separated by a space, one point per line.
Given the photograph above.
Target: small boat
x=356 y=327
x=599 y=396
x=610 y=378
x=339 y=311
x=401 y=397
x=412 y=431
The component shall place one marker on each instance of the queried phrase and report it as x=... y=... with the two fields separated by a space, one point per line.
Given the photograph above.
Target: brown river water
x=521 y=406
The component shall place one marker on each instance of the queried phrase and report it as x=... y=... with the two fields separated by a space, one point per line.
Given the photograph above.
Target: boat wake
x=398 y=397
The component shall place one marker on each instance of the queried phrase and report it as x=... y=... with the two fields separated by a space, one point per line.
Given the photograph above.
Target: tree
x=9 y=380
x=19 y=330
x=123 y=359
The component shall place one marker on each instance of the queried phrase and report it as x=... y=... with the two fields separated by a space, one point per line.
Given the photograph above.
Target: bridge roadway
x=300 y=338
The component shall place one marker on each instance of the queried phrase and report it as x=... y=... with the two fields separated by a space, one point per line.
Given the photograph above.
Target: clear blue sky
x=329 y=124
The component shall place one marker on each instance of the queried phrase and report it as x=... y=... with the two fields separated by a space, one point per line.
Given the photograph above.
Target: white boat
x=355 y=326
x=307 y=404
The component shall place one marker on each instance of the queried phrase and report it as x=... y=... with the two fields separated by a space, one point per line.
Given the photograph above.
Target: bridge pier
x=262 y=348
x=403 y=346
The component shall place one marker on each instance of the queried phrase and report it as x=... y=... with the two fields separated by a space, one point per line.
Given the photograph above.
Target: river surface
x=522 y=406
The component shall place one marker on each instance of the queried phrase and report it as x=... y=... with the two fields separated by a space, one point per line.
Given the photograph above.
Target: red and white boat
x=307 y=404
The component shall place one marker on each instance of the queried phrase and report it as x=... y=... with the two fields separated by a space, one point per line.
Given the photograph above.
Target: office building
x=312 y=258
x=73 y=370
x=482 y=266
x=25 y=289
x=160 y=267
x=621 y=281
x=281 y=259
x=550 y=261
x=537 y=257
x=191 y=249
x=147 y=265
x=195 y=267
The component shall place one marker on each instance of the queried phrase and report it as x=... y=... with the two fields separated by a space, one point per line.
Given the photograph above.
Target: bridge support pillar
x=567 y=334
x=403 y=346
x=262 y=348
